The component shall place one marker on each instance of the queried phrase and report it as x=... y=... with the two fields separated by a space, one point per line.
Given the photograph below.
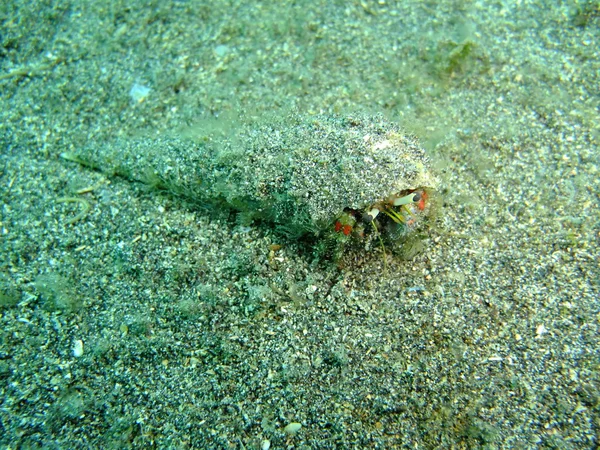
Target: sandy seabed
x=134 y=318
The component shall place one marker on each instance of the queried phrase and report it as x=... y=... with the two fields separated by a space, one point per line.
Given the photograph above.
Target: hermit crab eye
x=410 y=198
x=370 y=216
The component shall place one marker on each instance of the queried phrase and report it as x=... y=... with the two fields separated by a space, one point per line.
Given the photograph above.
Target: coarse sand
x=132 y=317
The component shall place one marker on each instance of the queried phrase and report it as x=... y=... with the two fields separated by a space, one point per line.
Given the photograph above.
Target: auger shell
x=300 y=173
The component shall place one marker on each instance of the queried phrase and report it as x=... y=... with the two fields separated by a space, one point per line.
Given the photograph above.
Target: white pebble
x=78 y=348
x=139 y=92
x=540 y=330
x=265 y=445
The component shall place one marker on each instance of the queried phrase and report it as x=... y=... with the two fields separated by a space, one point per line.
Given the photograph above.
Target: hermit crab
x=339 y=179
x=395 y=219
x=400 y=214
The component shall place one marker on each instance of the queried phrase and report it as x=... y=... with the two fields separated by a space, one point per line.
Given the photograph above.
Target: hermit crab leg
x=394 y=216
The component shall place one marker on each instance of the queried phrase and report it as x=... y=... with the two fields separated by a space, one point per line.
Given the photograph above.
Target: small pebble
x=78 y=348
x=139 y=92
x=292 y=428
